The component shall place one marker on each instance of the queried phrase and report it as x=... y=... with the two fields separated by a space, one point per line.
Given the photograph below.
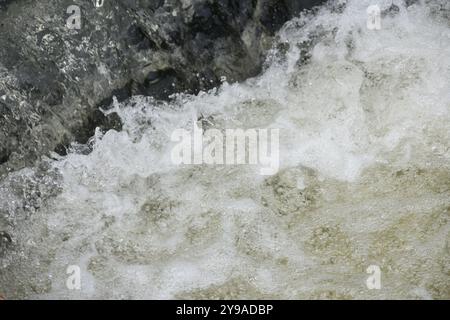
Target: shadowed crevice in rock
x=4 y=156
x=96 y=119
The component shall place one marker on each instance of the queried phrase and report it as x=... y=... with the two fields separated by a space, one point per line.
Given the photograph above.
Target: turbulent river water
x=364 y=179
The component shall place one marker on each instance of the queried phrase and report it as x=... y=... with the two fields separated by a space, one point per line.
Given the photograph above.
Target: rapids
x=364 y=178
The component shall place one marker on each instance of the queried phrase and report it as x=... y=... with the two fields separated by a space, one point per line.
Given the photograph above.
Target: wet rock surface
x=54 y=79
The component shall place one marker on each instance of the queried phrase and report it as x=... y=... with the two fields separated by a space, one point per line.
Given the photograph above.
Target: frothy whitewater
x=364 y=179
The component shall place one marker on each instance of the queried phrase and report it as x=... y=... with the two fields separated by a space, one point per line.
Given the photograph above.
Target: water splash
x=364 y=179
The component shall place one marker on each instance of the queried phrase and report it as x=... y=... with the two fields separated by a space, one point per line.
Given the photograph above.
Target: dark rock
x=4 y=3
x=162 y=83
x=391 y=11
x=5 y=242
x=53 y=80
x=276 y=12
x=137 y=37
x=410 y=2
x=5 y=237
